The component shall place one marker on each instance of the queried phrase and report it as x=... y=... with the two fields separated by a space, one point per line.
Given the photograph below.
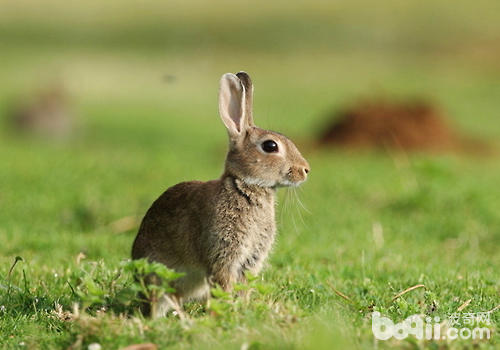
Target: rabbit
x=49 y=115
x=217 y=230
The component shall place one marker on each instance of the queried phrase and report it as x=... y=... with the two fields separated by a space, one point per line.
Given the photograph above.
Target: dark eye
x=270 y=146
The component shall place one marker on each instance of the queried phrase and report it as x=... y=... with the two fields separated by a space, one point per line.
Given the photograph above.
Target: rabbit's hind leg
x=165 y=304
x=191 y=287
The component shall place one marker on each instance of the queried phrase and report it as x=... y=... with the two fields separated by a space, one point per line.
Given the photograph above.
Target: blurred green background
x=139 y=82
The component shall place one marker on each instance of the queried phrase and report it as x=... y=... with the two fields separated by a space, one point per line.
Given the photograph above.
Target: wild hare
x=215 y=231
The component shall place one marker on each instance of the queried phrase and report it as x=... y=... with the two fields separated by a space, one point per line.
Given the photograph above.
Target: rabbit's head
x=257 y=156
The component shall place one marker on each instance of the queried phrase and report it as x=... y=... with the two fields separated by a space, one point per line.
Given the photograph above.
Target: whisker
x=297 y=208
x=289 y=206
x=294 y=224
x=284 y=207
x=286 y=210
x=300 y=202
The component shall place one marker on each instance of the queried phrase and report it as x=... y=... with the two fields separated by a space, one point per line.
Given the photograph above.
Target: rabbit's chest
x=244 y=228
x=255 y=241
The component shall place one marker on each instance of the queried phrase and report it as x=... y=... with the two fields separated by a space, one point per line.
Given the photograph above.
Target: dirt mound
x=383 y=123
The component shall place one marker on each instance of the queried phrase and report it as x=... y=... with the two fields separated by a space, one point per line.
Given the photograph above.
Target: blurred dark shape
x=169 y=78
x=82 y=216
x=46 y=114
x=411 y=125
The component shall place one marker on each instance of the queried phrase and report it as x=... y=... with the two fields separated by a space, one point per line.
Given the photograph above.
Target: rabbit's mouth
x=295 y=176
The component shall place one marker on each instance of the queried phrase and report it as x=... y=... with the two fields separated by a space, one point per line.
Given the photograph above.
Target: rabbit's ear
x=231 y=105
x=247 y=84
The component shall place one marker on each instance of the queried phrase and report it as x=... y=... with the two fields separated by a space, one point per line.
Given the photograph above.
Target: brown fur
x=215 y=231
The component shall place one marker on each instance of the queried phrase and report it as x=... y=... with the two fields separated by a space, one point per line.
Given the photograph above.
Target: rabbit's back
x=172 y=229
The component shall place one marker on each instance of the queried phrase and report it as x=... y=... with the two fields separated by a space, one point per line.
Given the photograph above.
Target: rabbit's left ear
x=233 y=104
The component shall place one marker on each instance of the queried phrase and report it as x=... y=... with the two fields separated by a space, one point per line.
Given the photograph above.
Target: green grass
x=438 y=215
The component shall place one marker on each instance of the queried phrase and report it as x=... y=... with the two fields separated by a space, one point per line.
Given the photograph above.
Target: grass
x=376 y=223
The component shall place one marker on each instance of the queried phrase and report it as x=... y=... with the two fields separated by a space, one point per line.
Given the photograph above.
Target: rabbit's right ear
x=248 y=86
x=232 y=105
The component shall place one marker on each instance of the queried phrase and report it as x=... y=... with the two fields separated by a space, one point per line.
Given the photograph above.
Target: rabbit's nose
x=305 y=171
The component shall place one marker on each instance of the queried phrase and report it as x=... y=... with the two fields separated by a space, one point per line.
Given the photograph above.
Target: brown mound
x=380 y=123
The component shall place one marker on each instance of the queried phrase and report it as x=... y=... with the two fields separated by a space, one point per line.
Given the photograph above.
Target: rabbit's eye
x=270 y=146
